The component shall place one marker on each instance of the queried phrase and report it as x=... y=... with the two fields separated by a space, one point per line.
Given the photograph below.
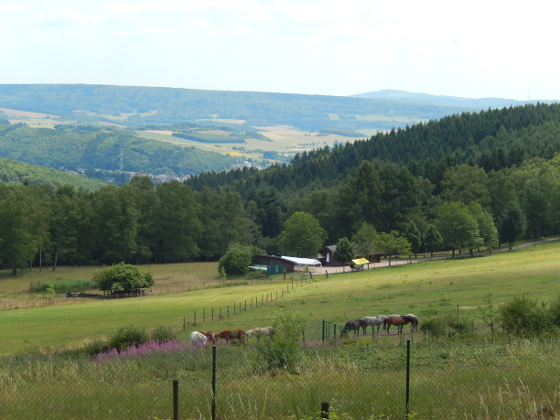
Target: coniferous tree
x=512 y=224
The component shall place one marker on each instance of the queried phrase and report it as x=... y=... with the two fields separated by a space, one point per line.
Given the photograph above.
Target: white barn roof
x=302 y=261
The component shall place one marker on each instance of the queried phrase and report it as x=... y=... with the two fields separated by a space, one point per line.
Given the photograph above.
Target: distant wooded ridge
x=464 y=182
x=136 y=106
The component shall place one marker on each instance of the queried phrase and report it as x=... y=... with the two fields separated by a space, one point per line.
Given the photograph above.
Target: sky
x=477 y=49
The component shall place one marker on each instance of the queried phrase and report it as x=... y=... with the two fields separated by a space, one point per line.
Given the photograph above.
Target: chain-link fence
x=517 y=380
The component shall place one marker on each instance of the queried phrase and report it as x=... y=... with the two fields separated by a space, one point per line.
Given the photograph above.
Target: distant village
x=118 y=177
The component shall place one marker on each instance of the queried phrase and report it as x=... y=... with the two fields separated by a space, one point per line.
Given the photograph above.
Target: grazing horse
x=413 y=319
x=374 y=321
x=352 y=326
x=232 y=335
x=260 y=332
x=198 y=339
x=398 y=320
x=209 y=335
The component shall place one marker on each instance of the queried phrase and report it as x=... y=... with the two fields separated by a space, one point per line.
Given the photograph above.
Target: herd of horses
x=381 y=320
x=201 y=338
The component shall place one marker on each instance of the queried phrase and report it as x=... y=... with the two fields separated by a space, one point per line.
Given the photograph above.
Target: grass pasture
x=365 y=378
x=427 y=289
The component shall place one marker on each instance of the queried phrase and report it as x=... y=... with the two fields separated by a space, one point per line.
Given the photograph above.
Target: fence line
x=239 y=307
x=514 y=380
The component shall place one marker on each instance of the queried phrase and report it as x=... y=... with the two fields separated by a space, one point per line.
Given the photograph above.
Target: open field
x=426 y=289
x=281 y=139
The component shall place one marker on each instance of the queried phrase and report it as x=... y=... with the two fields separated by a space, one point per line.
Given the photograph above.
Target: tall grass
x=508 y=380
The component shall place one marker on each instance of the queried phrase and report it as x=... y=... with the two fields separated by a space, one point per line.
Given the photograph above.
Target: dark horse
x=413 y=319
x=352 y=326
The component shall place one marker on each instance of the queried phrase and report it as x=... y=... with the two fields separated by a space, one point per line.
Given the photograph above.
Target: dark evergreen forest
x=466 y=181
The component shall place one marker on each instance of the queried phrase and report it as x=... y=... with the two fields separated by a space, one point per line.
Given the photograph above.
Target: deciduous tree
x=302 y=236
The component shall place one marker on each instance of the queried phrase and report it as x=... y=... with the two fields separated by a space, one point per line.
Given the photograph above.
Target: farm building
x=290 y=264
x=328 y=251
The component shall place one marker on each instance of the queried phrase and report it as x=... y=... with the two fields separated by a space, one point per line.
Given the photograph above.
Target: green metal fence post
x=175 y=399
x=214 y=382
x=407 y=398
x=324 y=410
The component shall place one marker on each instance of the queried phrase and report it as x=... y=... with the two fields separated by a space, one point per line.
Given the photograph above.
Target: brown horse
x=232 y=335
x=398 y=320
x=210 y=336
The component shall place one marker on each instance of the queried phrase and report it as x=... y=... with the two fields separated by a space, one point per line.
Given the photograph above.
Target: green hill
x=13 y=172
x=88 y=148
x=138 y=106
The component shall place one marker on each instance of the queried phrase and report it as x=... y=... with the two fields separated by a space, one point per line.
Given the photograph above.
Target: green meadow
x=474 y=377
x=458 y=287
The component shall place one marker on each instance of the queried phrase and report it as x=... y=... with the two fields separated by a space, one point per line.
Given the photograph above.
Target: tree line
x=376 y=204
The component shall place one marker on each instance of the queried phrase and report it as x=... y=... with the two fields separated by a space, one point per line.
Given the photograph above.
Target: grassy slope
x=427 y=289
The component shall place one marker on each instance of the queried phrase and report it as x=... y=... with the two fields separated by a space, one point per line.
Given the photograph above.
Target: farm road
x=398 y=261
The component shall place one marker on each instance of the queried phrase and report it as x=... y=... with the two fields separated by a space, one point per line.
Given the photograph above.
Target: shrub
x=283 y=349
x=61 y=286
x=126 y=337
x=554 y=310
x=123 y=277
x=434 y=327
x=237 y=259
x=163 y=333
x=524 y=317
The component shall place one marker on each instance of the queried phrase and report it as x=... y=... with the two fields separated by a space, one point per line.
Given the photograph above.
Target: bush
x=61 y=286
x=237 y=259
x=128 y=336
x=123 y=277
x=524 y=317
x=554 y=310
x=283 y=349
x=434 y=327
x=163 y=333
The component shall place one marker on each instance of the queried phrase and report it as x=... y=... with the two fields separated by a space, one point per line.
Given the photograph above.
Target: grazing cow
x=198 y=339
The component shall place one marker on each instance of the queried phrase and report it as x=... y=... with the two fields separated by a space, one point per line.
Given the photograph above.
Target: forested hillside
x=89 y=148
x=14 y=173
x=139 y=106
x=465 y=182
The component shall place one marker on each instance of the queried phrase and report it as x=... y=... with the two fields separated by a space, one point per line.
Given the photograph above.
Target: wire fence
x=517 y=380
